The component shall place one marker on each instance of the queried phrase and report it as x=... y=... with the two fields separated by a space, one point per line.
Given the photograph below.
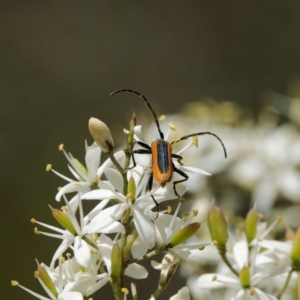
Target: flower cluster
x=263 y=156
x=123 y=229
x=127 y=224
x=250 y=265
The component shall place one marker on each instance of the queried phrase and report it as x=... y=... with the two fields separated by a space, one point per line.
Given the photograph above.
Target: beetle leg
x=186 y=177
x=150 y=183
x=179 y=158
x=147 y=150
x=144 y=145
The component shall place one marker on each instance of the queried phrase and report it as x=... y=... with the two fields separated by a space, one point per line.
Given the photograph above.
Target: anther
x=48 y=167
x=172 y=127
x=61 y=147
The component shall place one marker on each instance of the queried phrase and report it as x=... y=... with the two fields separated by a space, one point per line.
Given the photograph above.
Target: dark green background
x=59 y=60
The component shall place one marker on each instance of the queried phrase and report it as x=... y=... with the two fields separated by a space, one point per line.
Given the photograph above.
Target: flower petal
x=115 y=178
x=82 y=252
x=144 y=227
x=105 y=218
x=136 y=271
x=139 y=248
x=92 y=160
x=161 y=266
x=72 y=187
x=70 y=296
x=241 y=253
x=183 y=294
x=206 y=281
x=102 y=194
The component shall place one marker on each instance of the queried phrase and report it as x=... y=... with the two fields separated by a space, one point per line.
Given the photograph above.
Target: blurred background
x=229 y=67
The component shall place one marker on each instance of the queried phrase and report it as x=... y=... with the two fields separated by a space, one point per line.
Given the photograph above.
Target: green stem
x=117 y=290
x=158 y=291
x=127 y=247
x=118 y=284
x=285 y=284
x=149 y=255
x=226 y=261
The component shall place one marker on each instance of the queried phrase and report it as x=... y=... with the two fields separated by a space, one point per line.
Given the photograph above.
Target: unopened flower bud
x=45 y=278
x=245 y=277
x=295 y=253
x=250 y=225
x=131 y=188
x=63 y=219
x=101 y=135
x=217 y=227
x=116 y=262
x=183 y=234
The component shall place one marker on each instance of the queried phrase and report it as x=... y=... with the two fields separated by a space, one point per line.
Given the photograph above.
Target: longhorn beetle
x=161 y=151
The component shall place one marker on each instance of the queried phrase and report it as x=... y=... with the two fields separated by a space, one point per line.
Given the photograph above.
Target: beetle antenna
x=202 y=133
x=147 y=103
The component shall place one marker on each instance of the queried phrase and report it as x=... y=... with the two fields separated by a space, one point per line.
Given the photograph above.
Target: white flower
x=167 y=226
x=86 y=178
x=183 y=294
x=263 y=266
x=105 y=245
x=70 y=277
x=62 y=296
x=82 y=249
x=143 y=217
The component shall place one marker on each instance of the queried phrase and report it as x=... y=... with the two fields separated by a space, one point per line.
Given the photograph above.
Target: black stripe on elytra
x=162 y=159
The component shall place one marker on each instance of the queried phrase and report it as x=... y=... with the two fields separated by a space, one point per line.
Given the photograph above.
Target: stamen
x=32 y=220
x=61 y=147
x=94 y=236
x=36 y=274
x=48 y=167
x=214 y=243
x=270 y=228
x=186 y=214
x=161 y=118
x=129 y=196
x=252 y=292
x=15 y=283
x=195 y=212
x=172 y=127
x=214 y=278
x=195 y=141
x=260 y=216
x=202 y=248
x=36 y=231
x=125 y=291
x=169 y=210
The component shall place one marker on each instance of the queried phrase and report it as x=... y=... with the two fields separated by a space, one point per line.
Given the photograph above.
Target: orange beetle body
x=162 y=165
